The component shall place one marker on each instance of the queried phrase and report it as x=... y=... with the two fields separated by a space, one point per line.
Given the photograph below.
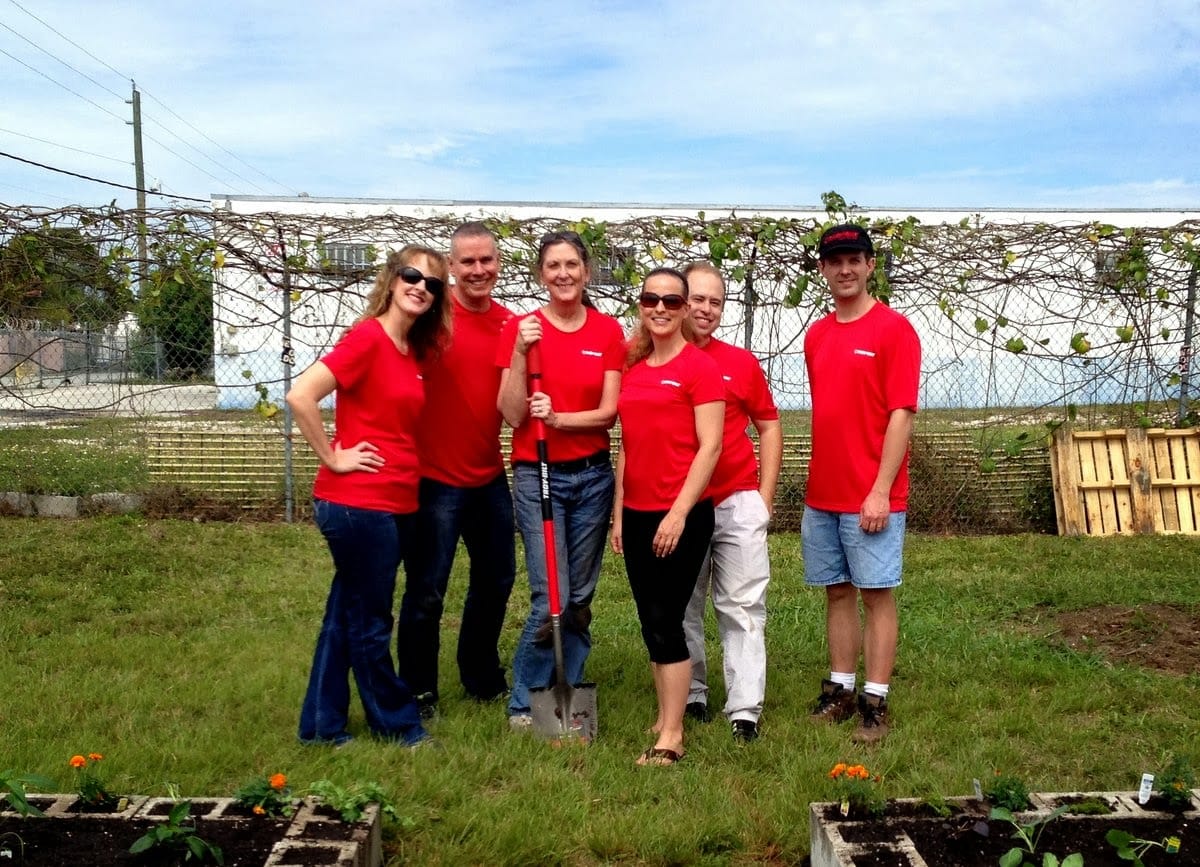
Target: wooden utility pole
x=139 y=174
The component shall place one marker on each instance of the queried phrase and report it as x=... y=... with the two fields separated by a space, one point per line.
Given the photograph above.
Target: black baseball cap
x=845 y=238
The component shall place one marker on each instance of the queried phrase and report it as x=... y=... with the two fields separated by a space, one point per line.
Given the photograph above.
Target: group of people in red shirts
x=422 y=383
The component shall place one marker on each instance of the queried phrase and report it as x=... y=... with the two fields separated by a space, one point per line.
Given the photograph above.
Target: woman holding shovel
x=582 y=352
x=672 y=409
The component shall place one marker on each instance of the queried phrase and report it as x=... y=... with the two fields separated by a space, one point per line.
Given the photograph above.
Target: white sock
x=872 y=688
x=846 y=678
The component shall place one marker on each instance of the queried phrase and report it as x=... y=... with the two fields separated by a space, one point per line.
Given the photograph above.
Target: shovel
x=560 y=711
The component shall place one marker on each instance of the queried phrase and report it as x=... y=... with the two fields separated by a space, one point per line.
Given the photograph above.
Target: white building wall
x=249 y=333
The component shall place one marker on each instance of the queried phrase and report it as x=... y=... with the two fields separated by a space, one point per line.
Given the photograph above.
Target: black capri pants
x=663 y=586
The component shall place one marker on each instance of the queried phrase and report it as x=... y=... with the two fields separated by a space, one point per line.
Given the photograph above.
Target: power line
x=174 y=153
x=217 y=145
x=180 y=156
x=60 y=60
x=225 y=168
x=64 y=147
x=35 y=192
x=63 y=86
x=190 y=126
x=99 y=180
x=67 y=38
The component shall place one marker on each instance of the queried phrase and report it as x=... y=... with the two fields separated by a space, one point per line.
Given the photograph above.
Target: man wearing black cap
x=864 y=364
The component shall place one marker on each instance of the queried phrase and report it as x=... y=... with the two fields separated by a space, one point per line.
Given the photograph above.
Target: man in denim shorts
x=864 y=364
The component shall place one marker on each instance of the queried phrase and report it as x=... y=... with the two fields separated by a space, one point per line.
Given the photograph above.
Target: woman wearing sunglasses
x=582 y=352
x=365 y=495
x=672 y=408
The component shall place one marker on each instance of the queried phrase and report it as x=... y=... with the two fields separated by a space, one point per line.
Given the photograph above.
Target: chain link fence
x=164 y=374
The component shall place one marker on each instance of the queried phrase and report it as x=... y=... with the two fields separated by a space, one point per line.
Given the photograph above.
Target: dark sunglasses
x=412 y=277
x=671 y=302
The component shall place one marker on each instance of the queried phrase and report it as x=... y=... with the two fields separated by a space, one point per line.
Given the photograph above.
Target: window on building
x=339 y=258
x=603 y=267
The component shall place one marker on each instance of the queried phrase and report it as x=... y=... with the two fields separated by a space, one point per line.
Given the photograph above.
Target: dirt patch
x=1160 y=637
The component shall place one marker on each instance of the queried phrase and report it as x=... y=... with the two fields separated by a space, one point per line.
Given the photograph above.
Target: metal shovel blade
x=549 y=704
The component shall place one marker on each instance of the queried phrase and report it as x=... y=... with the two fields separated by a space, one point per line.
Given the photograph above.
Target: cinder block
x=14 y=503
x=52 y=506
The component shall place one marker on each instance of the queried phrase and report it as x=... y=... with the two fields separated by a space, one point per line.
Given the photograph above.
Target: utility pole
x=139 y=174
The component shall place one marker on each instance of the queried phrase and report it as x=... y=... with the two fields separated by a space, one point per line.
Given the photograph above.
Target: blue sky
x=893 y=104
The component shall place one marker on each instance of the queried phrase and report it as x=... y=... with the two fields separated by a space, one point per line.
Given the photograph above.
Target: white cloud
x=678 y=100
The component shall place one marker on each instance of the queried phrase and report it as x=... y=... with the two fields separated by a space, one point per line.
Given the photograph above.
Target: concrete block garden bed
x=911 y=833
x=313 y=835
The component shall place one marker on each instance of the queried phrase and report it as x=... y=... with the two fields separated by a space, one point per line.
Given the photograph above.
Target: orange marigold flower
x=78 y=761
x=837 y=770
x=278 y=781
x=95 y=757
x=258 y=810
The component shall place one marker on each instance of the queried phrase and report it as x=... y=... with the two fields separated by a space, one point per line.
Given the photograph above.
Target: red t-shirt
x=747 y=399
x=459 y=435
x=859 y=372
x=573 y=368
x=658 y=425
x=378 y=399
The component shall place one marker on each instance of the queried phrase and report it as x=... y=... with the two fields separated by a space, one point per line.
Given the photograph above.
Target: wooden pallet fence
x=1126 y=481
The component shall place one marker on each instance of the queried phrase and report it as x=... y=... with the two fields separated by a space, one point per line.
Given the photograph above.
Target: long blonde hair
x=430 y=333
x=641 y=344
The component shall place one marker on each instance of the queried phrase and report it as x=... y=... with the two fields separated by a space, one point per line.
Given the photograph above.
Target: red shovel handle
x=533 y=361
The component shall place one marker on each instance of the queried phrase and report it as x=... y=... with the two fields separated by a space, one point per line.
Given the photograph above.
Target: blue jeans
x=483 y=518
x=582 y=506
x=836 y=550
x=356 y=634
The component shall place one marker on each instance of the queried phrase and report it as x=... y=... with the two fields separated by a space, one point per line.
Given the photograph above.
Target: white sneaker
x=520 y=722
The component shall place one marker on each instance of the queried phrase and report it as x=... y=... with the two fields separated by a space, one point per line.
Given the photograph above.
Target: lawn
x=179 y=650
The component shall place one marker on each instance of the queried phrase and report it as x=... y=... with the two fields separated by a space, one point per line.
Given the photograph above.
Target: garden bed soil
x=98 y=840
x=966 y=837
x=67 y=837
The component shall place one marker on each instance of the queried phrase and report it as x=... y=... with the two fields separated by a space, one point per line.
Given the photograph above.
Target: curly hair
x=430 y=334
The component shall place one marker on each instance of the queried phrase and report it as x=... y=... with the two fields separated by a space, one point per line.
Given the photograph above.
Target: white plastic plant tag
x=978 y=789
x=1146 y=788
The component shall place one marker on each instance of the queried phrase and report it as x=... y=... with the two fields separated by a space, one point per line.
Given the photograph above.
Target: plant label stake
x=561 y=711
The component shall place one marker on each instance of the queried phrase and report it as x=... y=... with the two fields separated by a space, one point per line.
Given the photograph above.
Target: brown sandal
x=660 y=757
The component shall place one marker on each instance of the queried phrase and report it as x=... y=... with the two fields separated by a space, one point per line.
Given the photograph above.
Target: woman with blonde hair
x=365 y=494
x=672 y=407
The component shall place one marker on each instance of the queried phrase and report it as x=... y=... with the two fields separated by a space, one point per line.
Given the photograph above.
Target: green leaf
x=1073 y=860
x=1080 y=343
x=1001 y=322
x=179 y=812
x=987 y=465
x=981 y=324
x=1012 y=858
x=1050 y=860
x=1015 y=345
x=1125 y=333
x=1118 y=838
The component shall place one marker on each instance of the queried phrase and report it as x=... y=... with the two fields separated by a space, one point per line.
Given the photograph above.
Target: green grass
x=181 y=650
x=75 y=458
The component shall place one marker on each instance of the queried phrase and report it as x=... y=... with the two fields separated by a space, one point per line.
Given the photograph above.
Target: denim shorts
x=836 y=550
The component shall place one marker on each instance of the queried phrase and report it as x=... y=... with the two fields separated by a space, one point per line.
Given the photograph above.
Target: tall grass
x=180 y=651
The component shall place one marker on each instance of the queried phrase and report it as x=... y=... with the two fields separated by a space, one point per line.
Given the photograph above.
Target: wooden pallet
x=1126 y=481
